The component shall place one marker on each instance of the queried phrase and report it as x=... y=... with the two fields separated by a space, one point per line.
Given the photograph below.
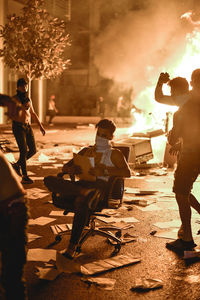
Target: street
x=151 y=188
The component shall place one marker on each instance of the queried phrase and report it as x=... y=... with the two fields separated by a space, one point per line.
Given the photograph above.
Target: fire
x=154 y=114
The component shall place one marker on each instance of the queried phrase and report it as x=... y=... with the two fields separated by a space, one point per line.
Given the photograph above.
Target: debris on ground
x=146 y=284
x=100 y=282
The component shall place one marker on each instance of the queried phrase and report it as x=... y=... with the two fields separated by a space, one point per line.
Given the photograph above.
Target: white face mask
x=102 y=144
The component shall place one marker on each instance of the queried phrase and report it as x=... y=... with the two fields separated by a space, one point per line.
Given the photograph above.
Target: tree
x=34 y=43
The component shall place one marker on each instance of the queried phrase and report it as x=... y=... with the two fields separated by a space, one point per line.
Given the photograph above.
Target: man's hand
x=175 y=149
x=163 y=78
x=98 y=170
x=42 y=130
x=71 y=170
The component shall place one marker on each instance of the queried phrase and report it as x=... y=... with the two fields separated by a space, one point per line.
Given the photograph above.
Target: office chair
x=115 y=191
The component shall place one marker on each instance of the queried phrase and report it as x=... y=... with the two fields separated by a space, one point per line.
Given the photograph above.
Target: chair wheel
x=58 y=238
x=118 y=234
x=78 y=249
x=117 y=249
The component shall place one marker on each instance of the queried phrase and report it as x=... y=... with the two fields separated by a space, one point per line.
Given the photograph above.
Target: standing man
x=52 y=109
x=22 y=130
x=13 y=220
x=179 y=90
x=187 y=127
x=101 y=107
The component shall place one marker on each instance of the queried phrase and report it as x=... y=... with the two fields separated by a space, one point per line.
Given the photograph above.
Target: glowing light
x=43 y=158
x=190 y=60
x=183 y=67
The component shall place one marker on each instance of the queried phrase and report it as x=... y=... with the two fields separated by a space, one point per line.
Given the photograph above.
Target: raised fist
x=163 y=78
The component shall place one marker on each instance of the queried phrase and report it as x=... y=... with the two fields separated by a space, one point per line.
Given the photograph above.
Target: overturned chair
x=112 y=196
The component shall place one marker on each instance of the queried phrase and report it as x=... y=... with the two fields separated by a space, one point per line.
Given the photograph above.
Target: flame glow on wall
x=188 y=61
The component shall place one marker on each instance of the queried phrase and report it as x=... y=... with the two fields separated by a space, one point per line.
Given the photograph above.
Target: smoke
x=139 y=44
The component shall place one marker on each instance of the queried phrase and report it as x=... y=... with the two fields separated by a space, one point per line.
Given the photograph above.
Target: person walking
x=22 y=130
x=52 y=109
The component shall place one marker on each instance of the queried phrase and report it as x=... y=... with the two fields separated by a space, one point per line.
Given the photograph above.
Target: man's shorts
x=186 y=173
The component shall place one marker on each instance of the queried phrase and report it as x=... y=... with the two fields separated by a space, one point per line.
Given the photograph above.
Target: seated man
x=108 y=162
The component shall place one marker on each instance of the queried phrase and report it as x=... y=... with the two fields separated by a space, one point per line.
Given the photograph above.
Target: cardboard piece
x=145 y=284
x=151 y=207
x=100 y=282
x=108 y=264
x=39 y=254
x=47 y=273
x=40 y=221
x=174 y=223
x=168 y=234
x=117 y=220
x=67 y=265
x=60 y=228
x=32 y=237
x=86 y=163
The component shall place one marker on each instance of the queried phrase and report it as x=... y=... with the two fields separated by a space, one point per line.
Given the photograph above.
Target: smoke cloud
x=139 y=44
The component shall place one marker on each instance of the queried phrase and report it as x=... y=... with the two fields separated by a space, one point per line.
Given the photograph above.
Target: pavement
x=152 y=226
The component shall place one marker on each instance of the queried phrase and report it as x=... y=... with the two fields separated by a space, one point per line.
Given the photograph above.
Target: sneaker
x=180 y=245
x=16 y=167
x=26 y=180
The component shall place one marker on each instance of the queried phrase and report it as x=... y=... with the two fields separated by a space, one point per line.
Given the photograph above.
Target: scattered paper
x=37 y=178
x=67 y=265
x=117 y=220
x=102 y=283
x=140 y=202
x=129 y=190
x=169 y=234
x=192 y=279
x=58 y=165
x=57 y=213
x=40 y=221
x=36 y=193
x=174 y=223
x=47 y=273
x=38 y=254
x=58 y=228
x=48 y=167
x=36 y=190
x=151 y=207
x=145 y=284
x=108 y=264
x=32 y=237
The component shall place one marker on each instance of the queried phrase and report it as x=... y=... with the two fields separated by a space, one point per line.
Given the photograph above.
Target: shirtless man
x=21 y=126
x=185 y=127
x=108 y=162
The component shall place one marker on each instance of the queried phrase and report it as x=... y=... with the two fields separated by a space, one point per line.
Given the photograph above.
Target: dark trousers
x=25 y=139
x=52 y=114
x=13 y=222
x=72 y=200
